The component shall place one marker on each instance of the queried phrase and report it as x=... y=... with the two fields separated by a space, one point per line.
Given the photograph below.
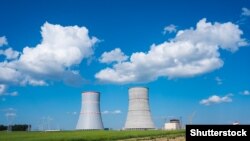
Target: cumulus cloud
x=218 y=80
x=15 y=93
x=33 y=82
x=8 y=110
x=246 y=92
x=3 y=41
x=117 y=112
x=216 y=99
x=115 y=55
x=10 y=54
x=72 y=113
x=244 y=16
x=192 y=52
x=106 y=112
x=9 y=73
x=3 y=89
x=169 y=29
x=245 y=11
x=112 y=112
x=61 y=50
x=10 y=114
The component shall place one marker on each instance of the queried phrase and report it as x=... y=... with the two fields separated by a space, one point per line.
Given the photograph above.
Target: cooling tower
x=90 y=116
x=139 y=116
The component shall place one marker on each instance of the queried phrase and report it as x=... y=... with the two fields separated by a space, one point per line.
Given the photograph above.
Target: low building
x=173 y=124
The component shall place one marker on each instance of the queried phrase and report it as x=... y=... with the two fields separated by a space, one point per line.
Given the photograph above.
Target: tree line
x=16 y=127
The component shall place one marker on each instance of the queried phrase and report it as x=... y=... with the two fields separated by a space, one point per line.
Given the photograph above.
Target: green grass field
x=86 y=135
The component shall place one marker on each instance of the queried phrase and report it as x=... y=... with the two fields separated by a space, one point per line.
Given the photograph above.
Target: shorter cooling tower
x=139 y=116
x=90 y=116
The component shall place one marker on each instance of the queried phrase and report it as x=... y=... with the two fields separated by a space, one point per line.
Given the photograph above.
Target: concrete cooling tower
x=139 y=116
x=90 y=116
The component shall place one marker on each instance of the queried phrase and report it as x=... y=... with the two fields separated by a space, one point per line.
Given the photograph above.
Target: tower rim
x=138 y=87
x=90 y=92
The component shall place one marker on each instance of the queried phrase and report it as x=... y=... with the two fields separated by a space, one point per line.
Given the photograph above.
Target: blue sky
x=193 y=56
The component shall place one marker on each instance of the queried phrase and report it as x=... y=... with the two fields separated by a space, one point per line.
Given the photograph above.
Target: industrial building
x=90 y=115
x=139 y=115
x=173 y=124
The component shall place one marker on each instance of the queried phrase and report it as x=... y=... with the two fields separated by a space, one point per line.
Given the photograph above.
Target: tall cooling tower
x=90 y=116
x=139 y=116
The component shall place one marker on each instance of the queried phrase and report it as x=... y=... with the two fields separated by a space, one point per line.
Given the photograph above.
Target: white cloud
x=246 y=92
x=169 y=29
x=61 y=50
x=218 y=35
x=192 y=52
x=10 y=53
x=72 y=113
x=15 y=93
x=10 y=114
x=4 y=92
x=9 y=73
x=33 y=82
x=244 y=16
x=216 y=99
x=105 y=112
x=3 y=89
x=117 y=112
x=3 y=41
x=245 y=11
x=8 y=110
x=218 y=80
x=112 y=112
x=115 y=55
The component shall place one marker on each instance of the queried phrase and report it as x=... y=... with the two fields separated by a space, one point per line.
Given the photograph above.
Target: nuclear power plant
x=90 y=115
x=139 y=115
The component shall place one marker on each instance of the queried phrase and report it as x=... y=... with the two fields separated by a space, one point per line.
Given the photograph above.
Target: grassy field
x=86 y=135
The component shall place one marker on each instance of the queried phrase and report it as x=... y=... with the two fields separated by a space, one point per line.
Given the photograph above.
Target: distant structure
x=191 y=117
x=90 y=116
x=173 y=124
x=236 y=123
x=139 y=116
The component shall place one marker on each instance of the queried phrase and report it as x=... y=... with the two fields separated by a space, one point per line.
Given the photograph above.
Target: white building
x=173 y=124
